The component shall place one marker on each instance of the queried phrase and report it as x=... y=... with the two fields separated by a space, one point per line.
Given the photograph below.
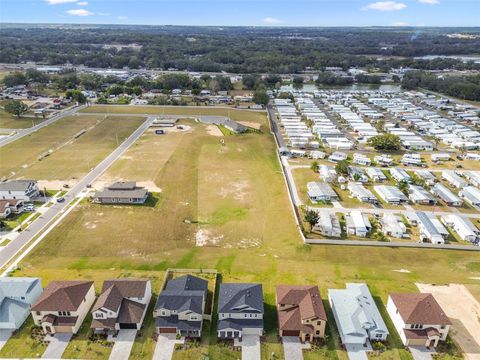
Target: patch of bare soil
x=238 y=190
x=250 y=124
x=464 y=312
x=56 y=184
x=214 y=131
x=104 y=181
x=204 y=237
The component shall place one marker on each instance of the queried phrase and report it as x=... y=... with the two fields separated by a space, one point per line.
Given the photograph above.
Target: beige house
x=418 y=318
x=63 y=306
x=300 y=312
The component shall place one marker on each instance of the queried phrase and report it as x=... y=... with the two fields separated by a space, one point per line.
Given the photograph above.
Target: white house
x=361 y=193
x=328 y=224
x=453 y=179
x=462 y=226
x=418 y=195
x=358 y=223
x=361 y=159
x=357 y=317
x=418 y=318
x=376 y=174
x=431 y=229
x=383 y=160
x=471 y=195
x=320 y=191
x=327 y=173
x=446 y=195
x=390 y=194
x=392 y=225
x=25 y=190
x=400 y=175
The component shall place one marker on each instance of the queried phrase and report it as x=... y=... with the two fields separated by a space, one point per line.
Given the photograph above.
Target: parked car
x=60 y=199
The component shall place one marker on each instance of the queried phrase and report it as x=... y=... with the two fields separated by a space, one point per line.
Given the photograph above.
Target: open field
x=70 y=156
x=235 y=200
x=234 y=114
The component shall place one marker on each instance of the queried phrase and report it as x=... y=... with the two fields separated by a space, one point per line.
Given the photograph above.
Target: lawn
x=234 y=114
x=69 y=156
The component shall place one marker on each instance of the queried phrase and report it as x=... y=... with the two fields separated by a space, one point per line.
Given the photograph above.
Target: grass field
x=236 y=196
x=70 y=157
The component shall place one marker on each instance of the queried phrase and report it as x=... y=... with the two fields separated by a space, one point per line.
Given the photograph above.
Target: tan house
x=418 y=318
x=300 y=312
x=63 y=306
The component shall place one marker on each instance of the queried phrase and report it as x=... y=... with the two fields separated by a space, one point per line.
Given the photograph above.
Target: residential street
x=9 y=251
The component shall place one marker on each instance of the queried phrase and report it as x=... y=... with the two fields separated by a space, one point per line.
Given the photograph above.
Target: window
x=317 y=332
x=319 y=322
x=23 y=297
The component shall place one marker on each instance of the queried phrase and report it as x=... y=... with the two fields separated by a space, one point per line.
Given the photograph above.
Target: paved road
x=24 y=132
x=275 y=127
x=9 y=251
x=56 y=346
x=123 y=344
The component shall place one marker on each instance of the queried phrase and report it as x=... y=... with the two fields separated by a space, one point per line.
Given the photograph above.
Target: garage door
x=167 y=330
x=128 y=326
x=290 y=333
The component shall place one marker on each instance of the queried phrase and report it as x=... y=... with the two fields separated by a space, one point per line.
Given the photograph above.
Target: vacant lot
x=234 y=114
x=69 y=156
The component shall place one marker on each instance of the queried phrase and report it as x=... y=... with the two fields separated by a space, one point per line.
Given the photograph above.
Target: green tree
x=403 y=187
x=385 y=142
x=260 y=97
x=16 y=107
x=314 y=166
x=14 y=79
x=342 y=167
x=76 y=95
x=311 y=217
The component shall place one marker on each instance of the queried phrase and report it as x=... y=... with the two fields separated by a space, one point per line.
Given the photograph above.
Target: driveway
x=421 y=353
x=250 y=347
x=56 y=346
x=123 y=344
x=356 y=352
x=165 y=346
x=293 y=348
x=4 y=336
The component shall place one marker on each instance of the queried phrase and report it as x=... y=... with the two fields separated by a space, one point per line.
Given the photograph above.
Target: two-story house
x=63 y=306
x=300 y=312
x=418 y=318
x=356 y=314
x=180 y=307
x=25 y=190
x=240 y=310
x=122 y=304
x=17 y=294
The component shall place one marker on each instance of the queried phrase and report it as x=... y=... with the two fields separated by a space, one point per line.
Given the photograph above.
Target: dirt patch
x=402 y=271
x=90 y=225
x=250 y=124
x=204 y=237
x=237 y=190
x=104 y=181
x=56 y=184
x=214 y=131
x=464 y=312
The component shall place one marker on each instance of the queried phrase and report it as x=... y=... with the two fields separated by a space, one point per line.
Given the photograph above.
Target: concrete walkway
x=357 y=352
x=250 y=347
x=57 y=345
x=293 y=348
x=165 y=346
x=4 y=336
x=123 y=344
x=421 y=353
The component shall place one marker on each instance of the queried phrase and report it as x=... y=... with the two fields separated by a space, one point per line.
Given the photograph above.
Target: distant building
x=328 y=224
x=357 y=223
x=25 y=190
x=318 y=191
x=392 y=225
x=124 y=192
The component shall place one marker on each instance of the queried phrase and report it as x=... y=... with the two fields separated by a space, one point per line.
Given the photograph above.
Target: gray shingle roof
x=240 y=298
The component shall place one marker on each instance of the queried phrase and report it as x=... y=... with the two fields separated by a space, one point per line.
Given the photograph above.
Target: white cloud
x=82 y=3
x=103 y=14
x=385 y=6
x=56 y=2
x=271 y=21
x=429 y=2
x=122 y=18
x=79 y=12
x=401 y=23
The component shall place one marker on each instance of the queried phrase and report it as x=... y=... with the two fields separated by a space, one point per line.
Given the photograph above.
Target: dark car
x=60 y=199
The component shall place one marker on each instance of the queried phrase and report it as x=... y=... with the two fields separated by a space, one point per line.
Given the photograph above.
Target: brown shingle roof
x=113 y=292
x=62 y=296
x=307 y=304
x=131 y=312
x=416 y=308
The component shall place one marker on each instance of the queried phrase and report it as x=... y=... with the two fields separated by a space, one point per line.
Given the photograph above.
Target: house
x=240 y=310
x=10 y=206
x=426 y=176
x=320 y=191
x=180 y=307
x=17 y=294
x=357 y=317
x=473 y=177
x=431 y=229
x=418 y=195
x=400 y=175
x=327 y=173
x=463 y=227
x=63 y=306
x=418 y=318
x=300 y=312
x=357 y=174
x=392 y=225
x=337 y=156
x=453 y=179
x=122 y=192
x=357 y=223
x=361 y=193
x=446 y=195
x=383 y=160
x=390 y=194
x=25 y=190
x=412 y=159
x=376 y=174
x=471 y=195
x=440 y=157
x=361 y=159
x=328 y=224
x=122 y=304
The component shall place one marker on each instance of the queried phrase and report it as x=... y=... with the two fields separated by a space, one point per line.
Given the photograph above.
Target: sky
x=246 y=12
